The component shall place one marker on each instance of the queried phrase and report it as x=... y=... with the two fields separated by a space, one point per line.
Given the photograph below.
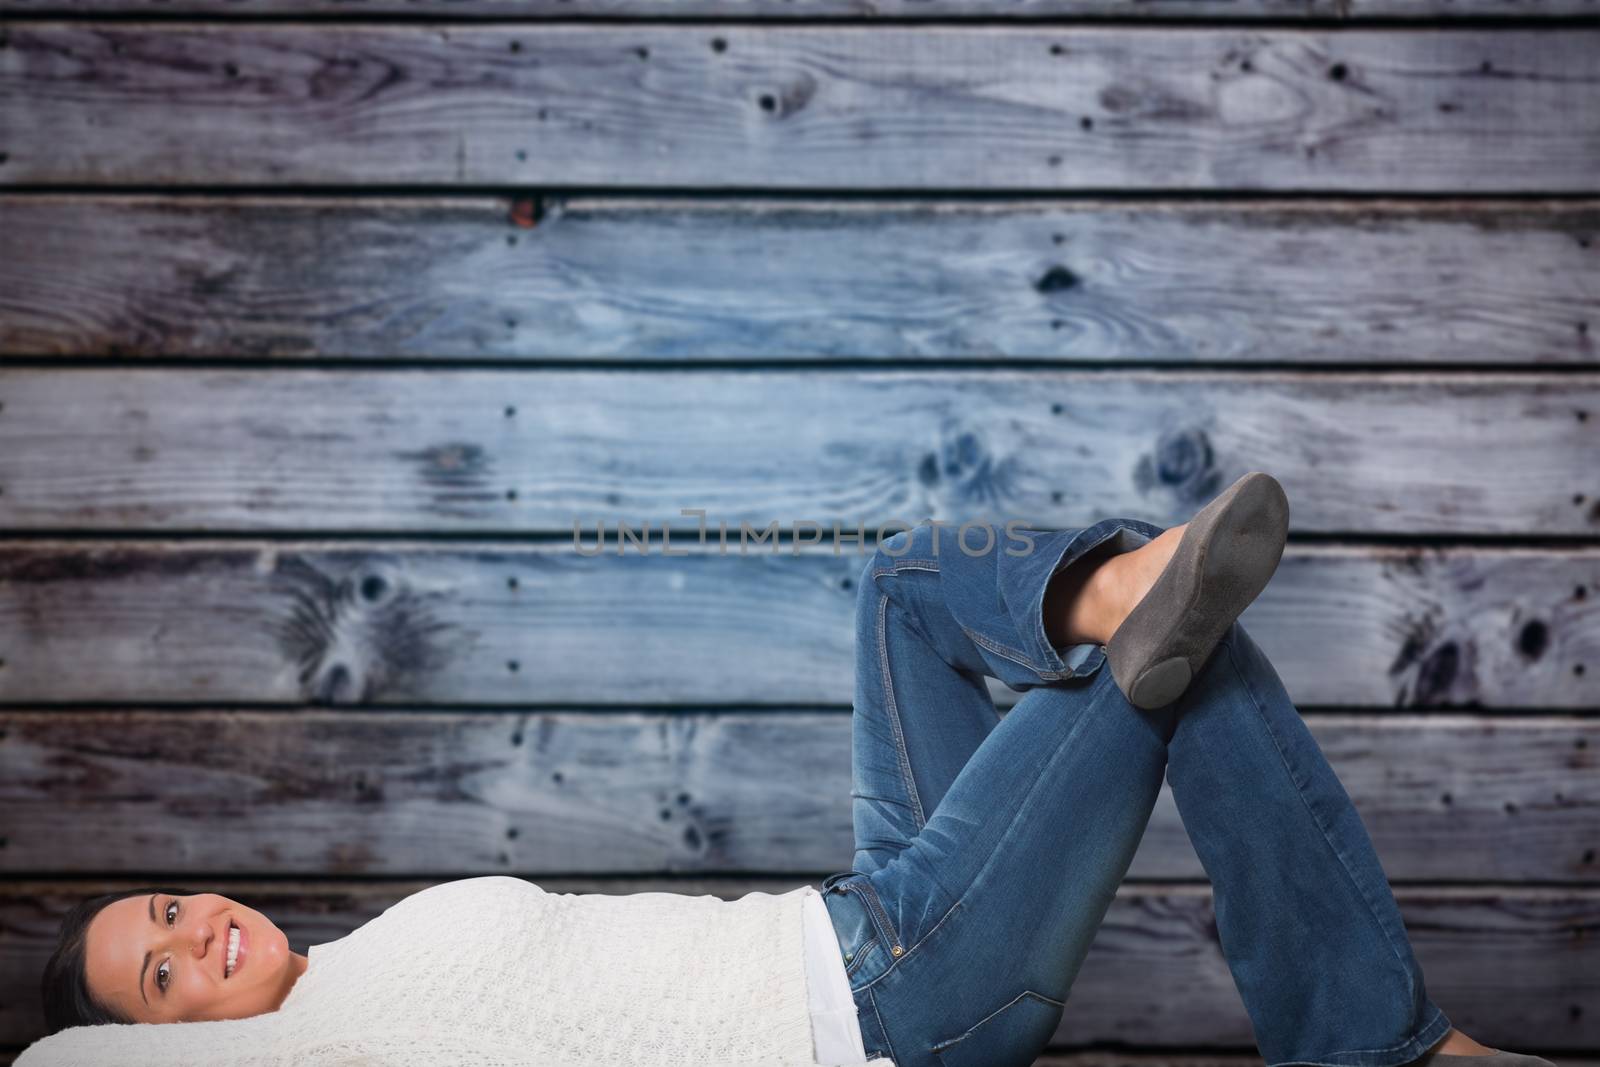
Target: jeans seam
x=1011 y=654
x=1344 y=864
x=875 y=911
x=862 y=952
x=884 y=1030
x=1438 y=1014
x=893 y=963
x=1014 y=655
x=943 y=1043
x=1061 y=748
x=902 y=756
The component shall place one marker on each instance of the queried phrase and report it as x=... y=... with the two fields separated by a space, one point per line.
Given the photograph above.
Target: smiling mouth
x=231 y=965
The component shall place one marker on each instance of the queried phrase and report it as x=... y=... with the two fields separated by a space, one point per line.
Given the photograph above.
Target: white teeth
x=233 y=950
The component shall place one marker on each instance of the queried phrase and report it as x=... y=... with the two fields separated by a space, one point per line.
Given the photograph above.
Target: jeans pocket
x=1013 y=1034
x=861 y=885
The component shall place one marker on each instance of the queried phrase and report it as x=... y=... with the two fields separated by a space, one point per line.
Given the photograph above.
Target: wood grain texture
x=883 y=107
x=1516 y=967
x=480 y=451
x=1450 y=798
x=398 y=623
x=603 y=278
x=866 y=10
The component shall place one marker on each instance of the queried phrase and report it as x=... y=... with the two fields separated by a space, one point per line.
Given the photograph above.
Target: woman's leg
x=1308 y=924
x=922 y=714
x=1011 y=863
x=921 y=705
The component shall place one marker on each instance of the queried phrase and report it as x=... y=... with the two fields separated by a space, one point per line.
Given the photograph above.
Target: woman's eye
x=171 y=907
x=163 y=976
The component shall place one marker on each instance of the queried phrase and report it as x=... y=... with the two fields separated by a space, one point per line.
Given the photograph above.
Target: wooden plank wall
x=323 y=326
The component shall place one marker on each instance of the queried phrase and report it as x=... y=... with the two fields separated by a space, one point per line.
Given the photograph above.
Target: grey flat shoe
x=1498 y=1058
x=1226 y=555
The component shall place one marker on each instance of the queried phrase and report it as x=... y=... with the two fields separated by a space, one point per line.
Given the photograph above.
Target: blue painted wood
x=676 y=792
x=396 y=624
x=470 y=451
x=599 y=279
x=893 y=107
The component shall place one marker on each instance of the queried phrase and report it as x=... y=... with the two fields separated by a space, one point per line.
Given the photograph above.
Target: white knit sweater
x=497 y=971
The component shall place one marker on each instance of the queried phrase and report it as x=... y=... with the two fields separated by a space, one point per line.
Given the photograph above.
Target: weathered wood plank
x=883 y=107
x=1220 y=10
x=491 y=450
x=1449 y=798
x=1515 y=967
x=603 y=278
x=405 y=623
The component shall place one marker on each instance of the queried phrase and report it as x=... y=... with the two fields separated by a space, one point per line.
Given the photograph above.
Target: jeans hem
x=1055 y=667
x=1425 y=1038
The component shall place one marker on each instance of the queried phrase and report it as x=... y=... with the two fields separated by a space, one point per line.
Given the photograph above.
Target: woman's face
x=160 y=958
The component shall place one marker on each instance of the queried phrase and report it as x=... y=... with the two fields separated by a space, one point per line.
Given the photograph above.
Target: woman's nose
x=200 y=937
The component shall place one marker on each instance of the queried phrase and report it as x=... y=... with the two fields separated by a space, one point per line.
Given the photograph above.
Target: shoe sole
x=1226 y=556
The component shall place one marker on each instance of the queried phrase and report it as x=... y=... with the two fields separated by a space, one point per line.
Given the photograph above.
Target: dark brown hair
x=65 y=985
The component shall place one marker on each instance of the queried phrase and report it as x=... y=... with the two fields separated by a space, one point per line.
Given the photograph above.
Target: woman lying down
x=491 y=970
x=988 y=850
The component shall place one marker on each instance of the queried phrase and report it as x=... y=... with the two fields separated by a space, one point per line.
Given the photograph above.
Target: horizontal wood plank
x=599 y=278
x=398 y=623
x=876 y=10
x=1449 y=798
x=883 y=107
x=1515 y=967
x=474 y=451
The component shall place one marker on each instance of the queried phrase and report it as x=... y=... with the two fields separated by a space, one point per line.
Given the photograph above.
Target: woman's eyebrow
x=146 y=964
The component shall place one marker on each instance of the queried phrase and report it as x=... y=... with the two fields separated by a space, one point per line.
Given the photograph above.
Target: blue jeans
x=988 y=848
